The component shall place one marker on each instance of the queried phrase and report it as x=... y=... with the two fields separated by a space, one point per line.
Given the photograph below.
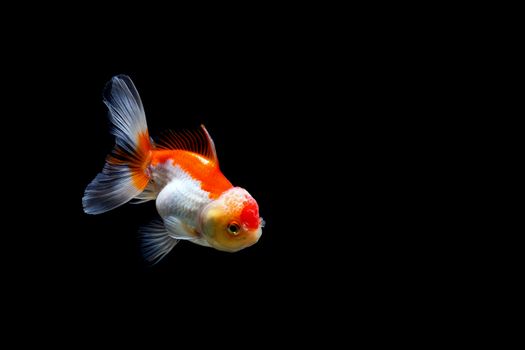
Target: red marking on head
x=250 y=214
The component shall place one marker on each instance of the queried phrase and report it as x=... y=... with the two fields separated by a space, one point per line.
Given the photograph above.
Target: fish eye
x=234 y=228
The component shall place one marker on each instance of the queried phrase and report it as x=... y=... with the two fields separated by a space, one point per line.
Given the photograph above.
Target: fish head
x=232 y=222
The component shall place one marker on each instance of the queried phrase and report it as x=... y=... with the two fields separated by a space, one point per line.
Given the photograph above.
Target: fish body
x=194 y=200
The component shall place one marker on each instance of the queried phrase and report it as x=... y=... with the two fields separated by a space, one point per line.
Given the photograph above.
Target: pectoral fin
x=156 y=241
x=179 y=230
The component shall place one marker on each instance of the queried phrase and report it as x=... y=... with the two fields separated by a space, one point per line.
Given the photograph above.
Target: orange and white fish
x=181 y=173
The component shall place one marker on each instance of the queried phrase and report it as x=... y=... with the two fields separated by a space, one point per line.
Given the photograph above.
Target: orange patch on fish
x=198 y=167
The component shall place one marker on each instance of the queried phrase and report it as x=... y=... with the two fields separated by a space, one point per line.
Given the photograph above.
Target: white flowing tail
x=124 y=175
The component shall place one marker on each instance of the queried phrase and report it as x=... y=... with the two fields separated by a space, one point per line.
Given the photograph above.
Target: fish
x=180 y=171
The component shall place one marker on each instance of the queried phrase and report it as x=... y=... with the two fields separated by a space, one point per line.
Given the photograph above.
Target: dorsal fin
x=198 y=141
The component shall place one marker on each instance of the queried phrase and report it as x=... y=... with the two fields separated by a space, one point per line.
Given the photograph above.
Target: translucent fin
x=178 y=230
x=124 y=175
x=125 y=112
x=150 y=193
x=198 y=141
x=156 y=241
x=111 y=188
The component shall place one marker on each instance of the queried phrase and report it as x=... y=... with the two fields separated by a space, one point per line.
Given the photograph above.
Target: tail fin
x=124 y=175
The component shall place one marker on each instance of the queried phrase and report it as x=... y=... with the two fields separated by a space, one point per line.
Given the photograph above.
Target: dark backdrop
x=314 y=140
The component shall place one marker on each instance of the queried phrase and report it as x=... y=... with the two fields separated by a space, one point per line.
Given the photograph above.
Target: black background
x=344 y=125
x=310 y=133
x=240 y=108
x=274 y=137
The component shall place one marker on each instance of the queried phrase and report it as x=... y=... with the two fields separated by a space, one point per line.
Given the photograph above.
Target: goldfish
x=180 y=172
